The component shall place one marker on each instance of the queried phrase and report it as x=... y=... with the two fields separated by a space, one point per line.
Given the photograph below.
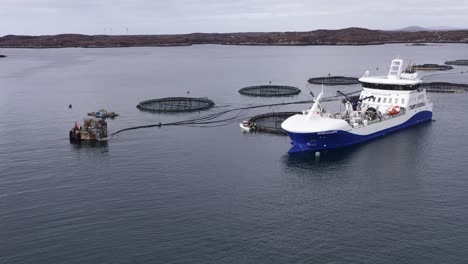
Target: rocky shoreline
x=348 y=36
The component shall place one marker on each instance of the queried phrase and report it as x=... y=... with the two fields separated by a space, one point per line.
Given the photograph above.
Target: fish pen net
x=444 y=87
x=270 y=90
x=270 y=122
x=176 y=104
x=334 y=80
x=457 y=62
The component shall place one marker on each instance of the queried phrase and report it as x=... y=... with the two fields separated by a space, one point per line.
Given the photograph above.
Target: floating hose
x=212 y=118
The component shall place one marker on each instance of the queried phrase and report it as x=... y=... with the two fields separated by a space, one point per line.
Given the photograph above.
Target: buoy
x=69 y=106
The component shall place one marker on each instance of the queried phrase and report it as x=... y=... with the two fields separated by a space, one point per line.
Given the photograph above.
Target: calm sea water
x=215 y=195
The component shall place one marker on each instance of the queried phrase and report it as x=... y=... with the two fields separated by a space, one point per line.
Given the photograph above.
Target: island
x=347 y=36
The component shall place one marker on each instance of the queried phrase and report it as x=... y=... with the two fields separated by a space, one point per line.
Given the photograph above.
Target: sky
x=43 y=17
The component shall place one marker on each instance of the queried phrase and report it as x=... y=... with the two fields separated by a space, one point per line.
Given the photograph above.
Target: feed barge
x=387 y=104
x=93 y=129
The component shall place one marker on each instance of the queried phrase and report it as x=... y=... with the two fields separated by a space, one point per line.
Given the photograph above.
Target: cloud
x=183 y=16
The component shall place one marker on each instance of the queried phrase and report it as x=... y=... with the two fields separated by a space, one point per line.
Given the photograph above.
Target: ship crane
x=350 y=102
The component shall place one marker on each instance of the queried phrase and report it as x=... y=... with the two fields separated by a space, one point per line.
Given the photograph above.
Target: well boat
x=386 y=104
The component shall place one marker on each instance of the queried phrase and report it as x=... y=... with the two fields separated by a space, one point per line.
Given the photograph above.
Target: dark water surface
x=215 y=195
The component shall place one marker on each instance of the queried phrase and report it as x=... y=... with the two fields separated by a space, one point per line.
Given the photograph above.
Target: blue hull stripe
x=338 y=139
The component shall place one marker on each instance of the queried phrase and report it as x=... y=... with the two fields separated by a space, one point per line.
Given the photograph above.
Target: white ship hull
x=333 y=139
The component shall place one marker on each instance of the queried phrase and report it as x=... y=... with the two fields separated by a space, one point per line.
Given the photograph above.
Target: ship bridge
x=397 y=79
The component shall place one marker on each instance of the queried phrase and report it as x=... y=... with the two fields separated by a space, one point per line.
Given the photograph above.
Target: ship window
x=385 y=99
x=396 y=100
x=390 y=100
x=378 y=101
x=402 y=100
x=390 y=86
x=373 y=99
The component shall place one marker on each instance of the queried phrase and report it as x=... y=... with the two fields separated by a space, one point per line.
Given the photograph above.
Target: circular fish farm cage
x=270 y=90
x=175 y=104
x=457 y=62
x=334 y=80
x=431 y=67
x=445 y=87
x=271 y=122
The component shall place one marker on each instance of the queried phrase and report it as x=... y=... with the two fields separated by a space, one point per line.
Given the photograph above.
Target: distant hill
x=347 y=36
x=413 y=29
x=418 y=29
x=443 y=28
